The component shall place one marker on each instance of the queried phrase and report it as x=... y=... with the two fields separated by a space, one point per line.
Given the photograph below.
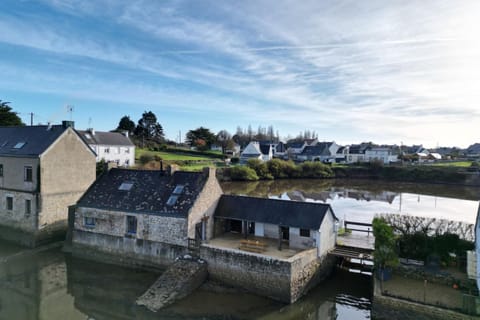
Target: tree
x=149 y=128
x=9 y=118
x=201 y=138
x=224 y=139
x=126 y=124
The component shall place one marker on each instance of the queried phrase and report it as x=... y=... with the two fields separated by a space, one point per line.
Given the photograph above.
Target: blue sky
x=353 y=71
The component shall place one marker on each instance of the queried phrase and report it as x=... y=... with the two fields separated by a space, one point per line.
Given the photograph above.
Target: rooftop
x=105 y=138
x=144 y=191
x=28 y=141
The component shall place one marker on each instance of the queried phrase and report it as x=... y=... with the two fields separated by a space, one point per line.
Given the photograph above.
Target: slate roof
x=320 y=149
x=304 y=215
x=37 y=139
x=359 y=148
x=106 y=138
x=295 y=145
x=149 y=193
x=265 y=149
x=474 y=149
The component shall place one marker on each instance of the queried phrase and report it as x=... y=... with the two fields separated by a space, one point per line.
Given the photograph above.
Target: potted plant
x=385 y=256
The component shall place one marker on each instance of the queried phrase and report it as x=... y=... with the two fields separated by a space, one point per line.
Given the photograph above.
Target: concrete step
x=178 y=281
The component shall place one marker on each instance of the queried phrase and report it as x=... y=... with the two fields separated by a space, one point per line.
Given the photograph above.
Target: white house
x=255 y=150
x=383 y=154
x=111 y=146
x=300 y=225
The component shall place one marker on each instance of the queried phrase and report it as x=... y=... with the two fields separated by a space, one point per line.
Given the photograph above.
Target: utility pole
x=31 y=118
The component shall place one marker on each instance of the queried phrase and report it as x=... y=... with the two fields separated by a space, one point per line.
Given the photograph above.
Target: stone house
x=111 y=146
x=43 y=170
x=298 y=225
x=145 y=216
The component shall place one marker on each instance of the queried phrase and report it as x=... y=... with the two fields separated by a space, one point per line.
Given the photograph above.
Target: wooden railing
x=368 y=230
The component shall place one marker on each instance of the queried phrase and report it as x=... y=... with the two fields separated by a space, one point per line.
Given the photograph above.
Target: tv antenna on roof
x=70 y=110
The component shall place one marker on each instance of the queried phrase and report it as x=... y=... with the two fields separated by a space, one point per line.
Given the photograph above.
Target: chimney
x=172 y=168
x=68 y=124
x=92 y=131
x=125 y=133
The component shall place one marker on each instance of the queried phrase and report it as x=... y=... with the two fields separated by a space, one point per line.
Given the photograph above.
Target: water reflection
x=52 y=285
x=360 y=200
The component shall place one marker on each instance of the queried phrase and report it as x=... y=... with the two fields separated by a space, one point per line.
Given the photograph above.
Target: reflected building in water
x=334 y=193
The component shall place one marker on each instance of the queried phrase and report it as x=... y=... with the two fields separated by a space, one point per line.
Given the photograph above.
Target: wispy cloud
x=382 y=70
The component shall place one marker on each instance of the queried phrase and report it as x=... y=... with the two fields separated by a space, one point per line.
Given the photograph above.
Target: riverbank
x=281 y=170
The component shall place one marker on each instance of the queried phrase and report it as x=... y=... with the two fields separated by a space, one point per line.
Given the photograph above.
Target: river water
x=52 y=285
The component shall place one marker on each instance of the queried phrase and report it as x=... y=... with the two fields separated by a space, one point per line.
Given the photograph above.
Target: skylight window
x=178 y=189
x=126 y=186
x=19 y=145
x=88 y=136
x=172 y=200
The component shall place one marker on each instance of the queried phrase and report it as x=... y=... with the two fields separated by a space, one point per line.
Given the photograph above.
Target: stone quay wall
x=284 y=280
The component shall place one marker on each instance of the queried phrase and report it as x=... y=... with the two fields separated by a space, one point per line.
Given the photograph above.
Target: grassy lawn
x=171 y=156
x=459 y=164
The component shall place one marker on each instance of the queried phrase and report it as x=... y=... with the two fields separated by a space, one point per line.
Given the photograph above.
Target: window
x=107 y=150
x=172 y=200
x=127 y=150
x=305 y=233
x=1 y=170
x=131 y=225
x=9 y=203
x=28 y=174
x=126 y=186
x=28 y=207
x=89 y=221
x=178 y=189
x=19 y=145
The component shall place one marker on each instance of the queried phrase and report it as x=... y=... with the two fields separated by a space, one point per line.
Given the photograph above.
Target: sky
x=383 y=71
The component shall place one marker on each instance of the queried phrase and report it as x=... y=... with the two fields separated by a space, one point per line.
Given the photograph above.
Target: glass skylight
x=172 y=200
x=19 y=145
x=126 y=186
x=178 y=189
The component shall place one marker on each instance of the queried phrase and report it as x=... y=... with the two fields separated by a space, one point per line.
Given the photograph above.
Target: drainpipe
x=280 y=236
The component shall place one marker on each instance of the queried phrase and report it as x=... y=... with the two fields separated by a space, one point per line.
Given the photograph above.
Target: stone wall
x=124 y=250
x=284 y=280
x=17 y=218
x=169 y=230
x=388 y=308
x=67 y=170
x=205 y=205
x=256 y=273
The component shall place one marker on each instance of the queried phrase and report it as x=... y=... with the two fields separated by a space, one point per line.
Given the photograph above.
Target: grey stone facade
x=34 y=205
x=158 y=239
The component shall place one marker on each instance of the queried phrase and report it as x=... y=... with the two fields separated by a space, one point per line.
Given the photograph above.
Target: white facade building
x=111 y=146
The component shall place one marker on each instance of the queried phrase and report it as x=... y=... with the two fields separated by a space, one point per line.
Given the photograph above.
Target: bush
x=384 y=255
x=243 y=173
x=315 y=170
x=234 y=160
x=260 y=168
x=146 y=158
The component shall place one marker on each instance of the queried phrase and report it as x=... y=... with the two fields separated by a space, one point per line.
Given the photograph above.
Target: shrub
x=384 y=255
x=234 y=160
x=146 y=158
x=260 y=168
x=315 y=170
x=243 y=173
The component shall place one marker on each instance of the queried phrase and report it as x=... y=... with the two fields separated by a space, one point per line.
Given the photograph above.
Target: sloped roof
x=474 y=148
x=304 y=215
x=35 y=139
x=321 y=149
x=265 y=149
x=252 y=148
x=149 y=193
x=106 y=138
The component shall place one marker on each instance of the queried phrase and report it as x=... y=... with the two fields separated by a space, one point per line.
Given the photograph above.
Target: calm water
x=53 y=285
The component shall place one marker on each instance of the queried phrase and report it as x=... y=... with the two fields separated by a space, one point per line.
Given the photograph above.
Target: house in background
x=147 y=216
x=384 y=154
x=356 y=152
x=43 y=170
x=473 y=151
x=298 y=225
x=256 y=150
x=319 y=151
x=111 y=146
